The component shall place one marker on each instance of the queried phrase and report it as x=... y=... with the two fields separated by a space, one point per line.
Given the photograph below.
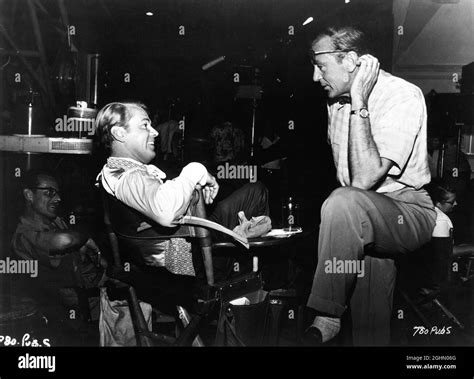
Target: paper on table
x=240 y=301
x=198 y=221
x=280 y=233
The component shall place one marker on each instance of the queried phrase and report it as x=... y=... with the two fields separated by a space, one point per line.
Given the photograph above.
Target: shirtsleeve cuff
x=397 y=159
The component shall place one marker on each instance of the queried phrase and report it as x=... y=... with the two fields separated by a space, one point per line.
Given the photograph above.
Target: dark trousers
x=159 y=287
x=252 y=199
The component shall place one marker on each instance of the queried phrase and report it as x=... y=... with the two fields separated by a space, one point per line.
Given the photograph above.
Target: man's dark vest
x=140 y=237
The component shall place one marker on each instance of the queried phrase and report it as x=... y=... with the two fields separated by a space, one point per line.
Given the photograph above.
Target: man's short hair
x=31 y=179
x=348 y=38
x=113 y=114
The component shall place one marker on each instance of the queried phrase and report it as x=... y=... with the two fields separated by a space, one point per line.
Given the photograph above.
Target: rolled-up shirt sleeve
x=161 y=202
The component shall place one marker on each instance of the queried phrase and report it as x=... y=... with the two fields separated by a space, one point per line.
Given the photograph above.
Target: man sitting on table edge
x=378 y=139
x=138 y=194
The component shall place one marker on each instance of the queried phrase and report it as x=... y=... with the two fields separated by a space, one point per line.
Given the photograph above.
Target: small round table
x=264 y=241
x=281 y=299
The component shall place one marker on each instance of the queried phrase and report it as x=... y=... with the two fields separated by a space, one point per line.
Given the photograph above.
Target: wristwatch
x=362 y=112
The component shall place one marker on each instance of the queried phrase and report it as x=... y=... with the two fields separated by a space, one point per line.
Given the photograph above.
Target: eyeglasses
x=312 y=53
x=451 y=202
x=49 y=191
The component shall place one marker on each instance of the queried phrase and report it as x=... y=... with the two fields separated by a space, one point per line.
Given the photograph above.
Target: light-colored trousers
x=372 y=228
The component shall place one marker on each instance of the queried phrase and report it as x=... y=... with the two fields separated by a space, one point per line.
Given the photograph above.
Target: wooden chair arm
x=204 y=237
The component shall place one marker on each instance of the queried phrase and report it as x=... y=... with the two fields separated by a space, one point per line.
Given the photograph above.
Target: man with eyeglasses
x=377 y=131
x=429 y=268
x=444 y=198
x=67 y=259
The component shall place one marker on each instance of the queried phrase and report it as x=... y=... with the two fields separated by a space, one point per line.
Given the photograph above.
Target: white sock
x=329 y=326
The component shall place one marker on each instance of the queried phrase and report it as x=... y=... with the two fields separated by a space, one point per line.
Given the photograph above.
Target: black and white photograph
x=225 y=178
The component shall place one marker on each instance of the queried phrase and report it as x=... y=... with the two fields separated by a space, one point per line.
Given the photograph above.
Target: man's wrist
x=358 y=104
x=362 y=112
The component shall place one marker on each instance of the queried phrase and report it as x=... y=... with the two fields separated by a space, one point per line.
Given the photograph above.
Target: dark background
x=165 y=73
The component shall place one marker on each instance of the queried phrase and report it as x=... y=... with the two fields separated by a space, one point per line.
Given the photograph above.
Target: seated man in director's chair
x=143 y=210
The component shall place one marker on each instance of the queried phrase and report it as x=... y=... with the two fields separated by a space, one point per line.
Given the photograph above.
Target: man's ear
x=350 y=61
x=118 y=133
x=28 y=195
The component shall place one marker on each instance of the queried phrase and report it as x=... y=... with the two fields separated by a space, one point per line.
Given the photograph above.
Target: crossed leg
x=353 y=220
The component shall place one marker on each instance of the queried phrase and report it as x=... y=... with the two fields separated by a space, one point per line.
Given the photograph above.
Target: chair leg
x=84 y=308
x=415 y=309
x=139 y=323
x=191 y=329
x=276 y=309
x=447 y=312
x=435 y=301
x=468 y=272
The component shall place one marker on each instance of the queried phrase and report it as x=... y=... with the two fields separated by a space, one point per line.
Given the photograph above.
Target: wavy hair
x=347 y=38
x=113 y=114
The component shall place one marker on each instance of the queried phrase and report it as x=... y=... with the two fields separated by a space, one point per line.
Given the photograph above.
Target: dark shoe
x=312 y=337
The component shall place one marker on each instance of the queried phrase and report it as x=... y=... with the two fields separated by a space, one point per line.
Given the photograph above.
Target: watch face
x=364 y=113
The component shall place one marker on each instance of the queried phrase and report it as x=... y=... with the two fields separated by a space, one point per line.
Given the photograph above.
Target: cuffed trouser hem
x=326 y=306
